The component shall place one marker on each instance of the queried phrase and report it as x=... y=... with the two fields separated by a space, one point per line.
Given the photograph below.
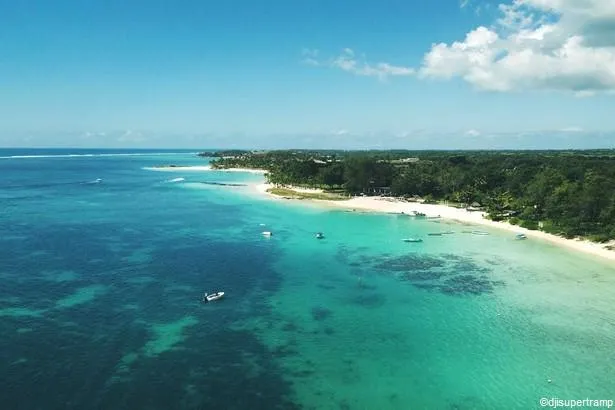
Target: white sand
x=393 y=205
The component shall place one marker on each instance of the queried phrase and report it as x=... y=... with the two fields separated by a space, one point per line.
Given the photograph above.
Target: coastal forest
x=568 y=193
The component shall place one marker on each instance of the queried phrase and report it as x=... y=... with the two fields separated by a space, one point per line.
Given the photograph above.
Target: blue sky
x=307 y=73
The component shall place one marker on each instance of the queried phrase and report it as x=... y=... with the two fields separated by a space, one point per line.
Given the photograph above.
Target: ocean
x=104 y=261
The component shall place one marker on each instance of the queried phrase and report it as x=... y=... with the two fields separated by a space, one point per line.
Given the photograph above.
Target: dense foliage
x=569 y=193
x=225 y=153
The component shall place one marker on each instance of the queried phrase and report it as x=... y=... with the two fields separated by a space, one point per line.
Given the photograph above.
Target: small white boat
x=177 y=180
x=480 y=233
x=212 y=297
x=267 y=233
x=320 y=235
x=520 y=236
x=413 y=240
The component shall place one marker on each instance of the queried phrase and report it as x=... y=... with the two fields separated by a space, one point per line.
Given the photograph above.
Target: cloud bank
x=348 y=61
x=566 y=138
x=566 y=45
x=556 y=45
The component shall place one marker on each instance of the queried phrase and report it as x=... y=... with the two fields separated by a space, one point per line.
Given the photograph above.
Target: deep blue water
x=94 y=272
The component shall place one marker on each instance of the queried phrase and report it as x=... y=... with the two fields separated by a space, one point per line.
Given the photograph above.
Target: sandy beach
x=394 y=205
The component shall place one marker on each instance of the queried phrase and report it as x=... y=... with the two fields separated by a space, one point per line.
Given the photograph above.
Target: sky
x=444 y=74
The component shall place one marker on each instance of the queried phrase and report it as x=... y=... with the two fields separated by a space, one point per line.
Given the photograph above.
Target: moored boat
x=212 y=297
x=413 y=240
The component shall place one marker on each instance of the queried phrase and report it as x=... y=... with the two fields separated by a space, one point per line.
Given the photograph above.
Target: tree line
x=571 y=193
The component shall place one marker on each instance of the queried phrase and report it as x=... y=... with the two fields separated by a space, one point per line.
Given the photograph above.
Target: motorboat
x=480 y=233
x=212 y=297
x=520 y=236
x=267 y=233
x=435 y=234
x=320 y=235
x=413 y=240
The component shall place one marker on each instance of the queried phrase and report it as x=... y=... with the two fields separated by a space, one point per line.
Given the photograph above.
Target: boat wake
x=175 y=180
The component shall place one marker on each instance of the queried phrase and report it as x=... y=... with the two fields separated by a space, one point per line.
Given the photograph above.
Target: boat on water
x=212 y=297
x=267 y=233
x=448 y=232
x=419 y=213
x=413 y=240
x=480 y=233
x=319 y=235
x=520 y=236
x=435 y=234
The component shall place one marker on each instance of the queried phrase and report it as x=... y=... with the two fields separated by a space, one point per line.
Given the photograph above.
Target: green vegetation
x=292 y=194
x=224 y=154
x=569 y=193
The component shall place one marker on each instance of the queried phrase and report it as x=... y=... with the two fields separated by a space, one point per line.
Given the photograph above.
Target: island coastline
x=392 y=205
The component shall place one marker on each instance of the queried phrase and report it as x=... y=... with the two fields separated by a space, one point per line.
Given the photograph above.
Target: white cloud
x=348 y=61
x=472 y=133
x=564 y=45
x=340 y=132
x=92 y=135
x=310 y=57
x=130 y=136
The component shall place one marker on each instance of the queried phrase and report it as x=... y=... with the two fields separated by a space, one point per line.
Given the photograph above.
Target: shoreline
x=395 y=206
x=180 y=168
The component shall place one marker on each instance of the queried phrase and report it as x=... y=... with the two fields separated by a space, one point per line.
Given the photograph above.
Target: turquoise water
x=102 y=280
